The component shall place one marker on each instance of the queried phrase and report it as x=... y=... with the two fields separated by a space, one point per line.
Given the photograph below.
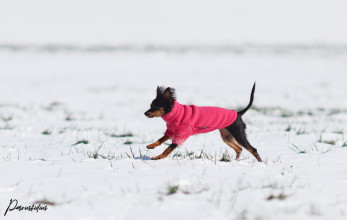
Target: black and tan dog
x=183 y=121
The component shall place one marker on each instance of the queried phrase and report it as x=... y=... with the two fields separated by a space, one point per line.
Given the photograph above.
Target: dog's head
x=163 y=103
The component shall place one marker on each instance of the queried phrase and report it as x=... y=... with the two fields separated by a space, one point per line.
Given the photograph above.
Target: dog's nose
x=147 y=113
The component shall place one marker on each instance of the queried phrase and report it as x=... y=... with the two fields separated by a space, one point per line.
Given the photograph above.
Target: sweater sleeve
x=181 y=134
x=169 y=133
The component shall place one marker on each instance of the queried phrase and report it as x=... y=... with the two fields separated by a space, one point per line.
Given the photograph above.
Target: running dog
x=183 y=121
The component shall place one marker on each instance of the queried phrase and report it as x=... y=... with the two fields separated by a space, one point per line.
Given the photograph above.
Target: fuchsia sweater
x=184 y=121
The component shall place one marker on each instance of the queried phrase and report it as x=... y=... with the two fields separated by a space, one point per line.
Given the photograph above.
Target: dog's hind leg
x=230 y=141
x=237 y=130
x=250 y=148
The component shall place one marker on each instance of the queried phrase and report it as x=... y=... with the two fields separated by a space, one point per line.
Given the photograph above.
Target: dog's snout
x=147 y=113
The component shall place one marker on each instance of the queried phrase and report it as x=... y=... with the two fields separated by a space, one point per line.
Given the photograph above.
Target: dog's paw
x=157 y=157
x=152 y=146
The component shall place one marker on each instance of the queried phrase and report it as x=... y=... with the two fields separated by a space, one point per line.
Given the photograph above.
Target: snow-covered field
x=52 y=101
x=74 y=90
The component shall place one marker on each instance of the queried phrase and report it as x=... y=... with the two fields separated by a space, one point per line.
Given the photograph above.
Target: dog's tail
x=250 y=102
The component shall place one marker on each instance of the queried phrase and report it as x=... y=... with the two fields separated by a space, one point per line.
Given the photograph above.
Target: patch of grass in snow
x=129 y=134
x=289 y=128
x=280 y=196
x=206 y=156
x=243 y=215
x=46 y=132
x=302 y=113
x=191 y=155
x=7 y=127
x=297 y=149
x=339 y=132
x=277 y=160
x=194 y=191
x=53 y=105
x=222 y=156
x=337 y=111
x=128 y=142
x=132 y=153
x=300 y=131
x=172 y=189
x=107 y=156
x=186 y=154
x=7 y=158
x=315 y=148
x=343 y=141
x=95 y=154
x=331 y=142
x=288 y=113
x=83 y=141
x=200 y=155
x=284 y=113
x=141 y=156
x=69 y=117
x=178 y=154
x=225 y=157
x=7 y=118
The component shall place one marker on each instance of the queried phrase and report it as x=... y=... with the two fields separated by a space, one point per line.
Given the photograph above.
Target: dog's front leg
x=166 y=152
x=159 y=142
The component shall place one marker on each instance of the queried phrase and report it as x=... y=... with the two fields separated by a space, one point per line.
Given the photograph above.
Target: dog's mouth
x=155 y=113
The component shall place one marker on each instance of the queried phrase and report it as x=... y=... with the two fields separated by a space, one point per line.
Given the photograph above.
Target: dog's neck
x=175 y=111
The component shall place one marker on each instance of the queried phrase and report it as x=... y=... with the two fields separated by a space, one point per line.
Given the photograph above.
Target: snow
x=90 y=96
x=73 y=131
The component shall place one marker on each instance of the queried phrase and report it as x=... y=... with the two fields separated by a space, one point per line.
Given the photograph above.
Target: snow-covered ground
x=73 y=93
x=51 y=101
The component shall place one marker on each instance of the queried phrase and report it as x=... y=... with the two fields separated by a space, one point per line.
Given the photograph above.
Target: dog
x=182 y=121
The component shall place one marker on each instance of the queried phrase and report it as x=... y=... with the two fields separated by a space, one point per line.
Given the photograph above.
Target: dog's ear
x=168 y=94
x=159 y=91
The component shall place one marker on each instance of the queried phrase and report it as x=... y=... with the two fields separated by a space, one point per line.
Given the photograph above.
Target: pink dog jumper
x=184 y=121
